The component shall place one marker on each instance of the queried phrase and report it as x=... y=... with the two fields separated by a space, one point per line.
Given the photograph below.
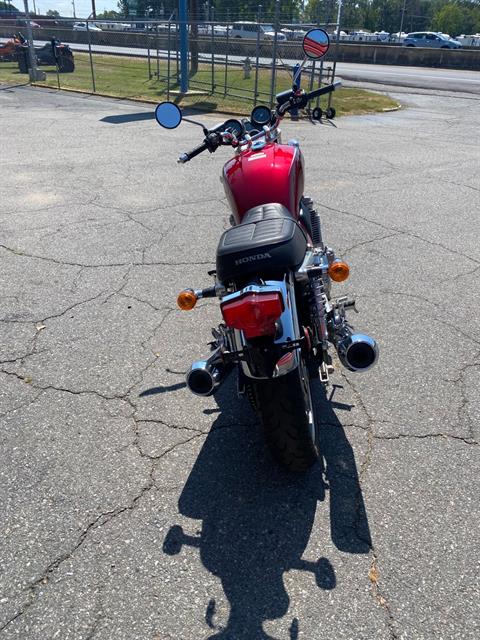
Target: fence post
x=148 y=58
x=337 y=47
x=168 y=61
x=158 y=54
x=213 y=59
x=182 y=15
x=91 y=60
x=255 y=90
x=274 y=53
x=226 y=54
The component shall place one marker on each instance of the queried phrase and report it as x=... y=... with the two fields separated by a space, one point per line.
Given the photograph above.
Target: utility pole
x=403 y=16
x=94 y=11
x=34 y=73
x=73 y=5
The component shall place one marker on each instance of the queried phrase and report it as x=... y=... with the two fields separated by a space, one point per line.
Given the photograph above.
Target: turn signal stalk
x=187 y=299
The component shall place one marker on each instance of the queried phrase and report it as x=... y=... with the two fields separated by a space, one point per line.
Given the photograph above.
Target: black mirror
x=316 y=44
x=168 y=115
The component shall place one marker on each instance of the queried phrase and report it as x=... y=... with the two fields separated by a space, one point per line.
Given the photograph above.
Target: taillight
x=254 y=313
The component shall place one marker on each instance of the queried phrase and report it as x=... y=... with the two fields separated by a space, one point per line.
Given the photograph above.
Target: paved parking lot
x=132 y=509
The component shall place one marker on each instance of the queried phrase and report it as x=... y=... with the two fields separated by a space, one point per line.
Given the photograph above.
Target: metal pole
x=91 y=59
x=255 y=90
x=213 y=59
x=403 y=16
x=337 y=47
x=158 y=54
x=226 y=54
x=168 y=62
x=182 y=16
x=274 y=53
x=31 y=50
x=94 y=11
x=148 y=58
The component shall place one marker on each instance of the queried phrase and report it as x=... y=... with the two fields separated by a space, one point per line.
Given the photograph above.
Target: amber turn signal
x=187 y=299
x=338 y=271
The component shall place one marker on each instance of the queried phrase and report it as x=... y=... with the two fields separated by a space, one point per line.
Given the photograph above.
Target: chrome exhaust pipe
x=357 y=351
x=205 y=376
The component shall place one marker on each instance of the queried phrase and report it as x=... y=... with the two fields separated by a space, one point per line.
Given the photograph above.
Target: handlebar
x=185 y=157
x=300 y=100
x=211 y=142
x=323 y=90
x=285 y=102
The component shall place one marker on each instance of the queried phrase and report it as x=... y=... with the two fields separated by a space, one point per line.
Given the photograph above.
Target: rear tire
x=285 y=409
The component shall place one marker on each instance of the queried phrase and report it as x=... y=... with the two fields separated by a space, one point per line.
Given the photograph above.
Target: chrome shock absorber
x=315 y=224
x=319 y=305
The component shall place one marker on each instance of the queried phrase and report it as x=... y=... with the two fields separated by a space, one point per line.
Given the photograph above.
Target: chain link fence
x=231 y=65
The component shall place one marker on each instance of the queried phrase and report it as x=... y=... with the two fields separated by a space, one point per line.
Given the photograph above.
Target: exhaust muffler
x=205 y=376
x=357 y=351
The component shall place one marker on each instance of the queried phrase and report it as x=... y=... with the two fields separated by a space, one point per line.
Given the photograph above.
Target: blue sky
x=82 y=7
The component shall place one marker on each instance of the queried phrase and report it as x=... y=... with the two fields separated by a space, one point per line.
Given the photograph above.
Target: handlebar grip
x=185 y=157
x=323 y=90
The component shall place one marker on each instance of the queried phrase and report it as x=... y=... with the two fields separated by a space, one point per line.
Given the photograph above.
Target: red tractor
x=8 y=51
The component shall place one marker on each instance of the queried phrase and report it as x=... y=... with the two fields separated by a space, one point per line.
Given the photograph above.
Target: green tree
x=8 y=7
x=450 y=19
x=52 y=13
x=108 y=15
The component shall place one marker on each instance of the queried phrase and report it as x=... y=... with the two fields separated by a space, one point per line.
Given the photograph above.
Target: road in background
x=415 y=77
x=133 y=509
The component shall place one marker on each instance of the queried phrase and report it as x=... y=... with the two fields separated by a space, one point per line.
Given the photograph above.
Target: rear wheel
x=285 y=408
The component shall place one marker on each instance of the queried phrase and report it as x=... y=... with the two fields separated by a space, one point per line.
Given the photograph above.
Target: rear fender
x=284 y=361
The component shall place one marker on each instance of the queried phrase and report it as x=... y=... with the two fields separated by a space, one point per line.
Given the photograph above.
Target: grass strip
x=218 y=90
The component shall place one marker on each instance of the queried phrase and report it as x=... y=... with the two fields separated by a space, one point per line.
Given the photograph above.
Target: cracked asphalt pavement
x=132 y=509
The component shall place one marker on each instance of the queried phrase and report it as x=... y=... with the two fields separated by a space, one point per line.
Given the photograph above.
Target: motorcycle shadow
x=257 y=519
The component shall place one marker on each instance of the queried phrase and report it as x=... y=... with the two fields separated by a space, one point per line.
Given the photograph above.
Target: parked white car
x=293 y=34
x=82 y=26
x=250 y=30
x=469 y=40
x=218 y=29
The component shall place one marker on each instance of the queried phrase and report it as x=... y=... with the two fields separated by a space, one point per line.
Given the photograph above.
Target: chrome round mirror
x=316 y=43
x=168 y=115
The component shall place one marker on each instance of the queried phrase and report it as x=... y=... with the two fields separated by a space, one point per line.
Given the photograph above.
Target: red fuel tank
x=271 y=174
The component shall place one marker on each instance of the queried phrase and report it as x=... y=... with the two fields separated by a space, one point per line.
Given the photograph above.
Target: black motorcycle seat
x=267 y=239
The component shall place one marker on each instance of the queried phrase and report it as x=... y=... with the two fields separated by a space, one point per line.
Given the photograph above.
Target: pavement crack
x=129 y=296
x=381 y=600
x=365 y=242
x=398 y=231
x=22 y=405
x=27 y=380
x=466 y=186
x=100 y=521
x=446 y=436
x=133 y=263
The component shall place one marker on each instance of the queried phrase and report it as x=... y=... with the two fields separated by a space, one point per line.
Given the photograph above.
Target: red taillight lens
x=254 y=313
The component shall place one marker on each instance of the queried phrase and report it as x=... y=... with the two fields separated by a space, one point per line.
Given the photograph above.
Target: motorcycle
x=273 y=277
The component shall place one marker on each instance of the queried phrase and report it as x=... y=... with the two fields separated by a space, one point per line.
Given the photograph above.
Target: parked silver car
x=250 y=29
x=430 y=39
